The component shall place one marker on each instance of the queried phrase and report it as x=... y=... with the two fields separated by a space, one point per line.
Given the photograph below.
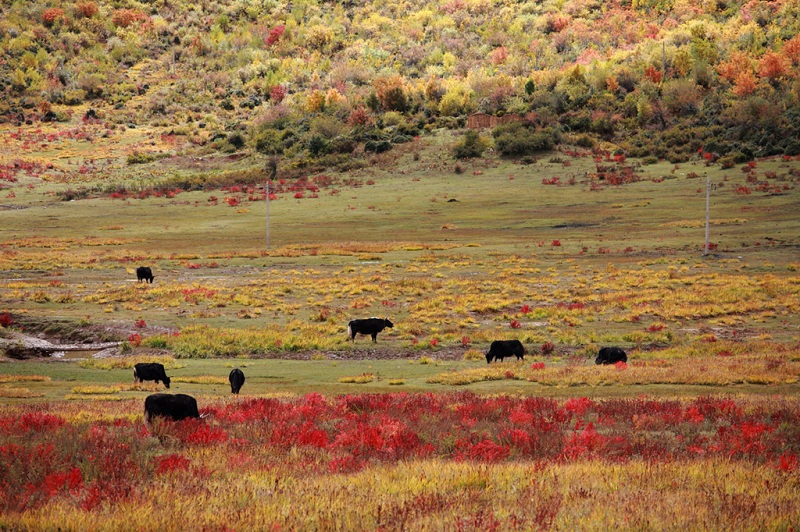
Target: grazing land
x=472 y=171
x=698 y=429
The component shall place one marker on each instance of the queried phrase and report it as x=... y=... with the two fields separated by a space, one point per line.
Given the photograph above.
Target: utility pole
x=272 y=174
x=267 y=199
x=708 y=210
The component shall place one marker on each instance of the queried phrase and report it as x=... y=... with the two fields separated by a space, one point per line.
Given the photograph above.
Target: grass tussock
x=358 y=379
x=18 y=393
x=201 y=379
x=23 y=378
x=473 y=355
x=97 y=390
x=93 y=397
x=128 y=362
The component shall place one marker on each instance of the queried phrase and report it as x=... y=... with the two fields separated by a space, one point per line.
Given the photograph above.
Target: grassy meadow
x=697 y=430
x=285 y=167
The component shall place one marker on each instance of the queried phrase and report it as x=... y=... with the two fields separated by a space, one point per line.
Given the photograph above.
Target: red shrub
x=87 y=9
x=483 y=451
x=586 y=442
x=275 y=35
x=787 y=462
x=171 y=462
x=56 y=482
x=123 y=18
x=578 y=406
x=51 y=15
x=38 y=422
x=653 y=74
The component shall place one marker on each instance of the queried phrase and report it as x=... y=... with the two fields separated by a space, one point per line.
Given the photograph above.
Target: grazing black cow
x=144 y=273
x=237 y=380
x=505 y=348
x=370 y=326
x=152 y=371
x=610 y=355
x=174 y=406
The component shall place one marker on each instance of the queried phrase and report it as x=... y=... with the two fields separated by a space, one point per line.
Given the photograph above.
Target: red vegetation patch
x=107 y=462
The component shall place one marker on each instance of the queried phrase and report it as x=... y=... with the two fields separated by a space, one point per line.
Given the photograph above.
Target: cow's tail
x=349 y=331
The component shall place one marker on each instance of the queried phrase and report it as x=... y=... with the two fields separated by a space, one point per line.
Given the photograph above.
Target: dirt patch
x=21 y=346
x=373 y=353
x=575 y=225
x=39 y=338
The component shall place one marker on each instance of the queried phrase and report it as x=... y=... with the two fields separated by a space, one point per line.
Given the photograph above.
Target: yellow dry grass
x=23 y=378
x=18 y=393
x=358 y=379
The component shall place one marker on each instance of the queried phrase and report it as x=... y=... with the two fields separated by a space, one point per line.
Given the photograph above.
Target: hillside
x=316 y=81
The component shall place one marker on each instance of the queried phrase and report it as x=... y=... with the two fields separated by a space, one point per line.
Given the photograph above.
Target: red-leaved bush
x=44 y=456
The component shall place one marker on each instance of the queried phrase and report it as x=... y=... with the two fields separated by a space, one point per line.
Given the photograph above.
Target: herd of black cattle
x=175 y=406
x=181 y=406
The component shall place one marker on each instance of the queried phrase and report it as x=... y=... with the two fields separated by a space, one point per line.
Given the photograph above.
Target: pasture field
x=454 y=461
x=570 y=252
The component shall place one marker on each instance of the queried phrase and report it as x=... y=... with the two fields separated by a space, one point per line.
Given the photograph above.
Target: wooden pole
x=708 y=209
x=267 y=188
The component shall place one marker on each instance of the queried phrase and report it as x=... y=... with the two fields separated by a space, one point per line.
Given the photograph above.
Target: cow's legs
x=375 y=338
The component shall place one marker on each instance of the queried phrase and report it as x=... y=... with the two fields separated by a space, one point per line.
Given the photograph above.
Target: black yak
x=370 y=326
x=505 y=348
x=611 y=355
x=152 y=371
x=237 y=380
x=173 y=406
x=143 y=273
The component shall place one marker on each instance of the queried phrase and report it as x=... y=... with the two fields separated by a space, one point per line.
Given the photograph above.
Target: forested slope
x=315 y=80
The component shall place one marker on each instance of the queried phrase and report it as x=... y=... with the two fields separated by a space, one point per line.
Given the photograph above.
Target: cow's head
x=489 y=357
x=166 y=382
x=388 y=323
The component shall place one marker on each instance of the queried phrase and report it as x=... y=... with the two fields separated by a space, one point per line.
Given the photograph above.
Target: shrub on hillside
x=470 y=145
x=377 y=146
x=516 y=139
x=86 y=9
x=137 y=157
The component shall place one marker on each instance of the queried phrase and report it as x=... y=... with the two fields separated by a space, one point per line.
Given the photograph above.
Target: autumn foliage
x=53 y=459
